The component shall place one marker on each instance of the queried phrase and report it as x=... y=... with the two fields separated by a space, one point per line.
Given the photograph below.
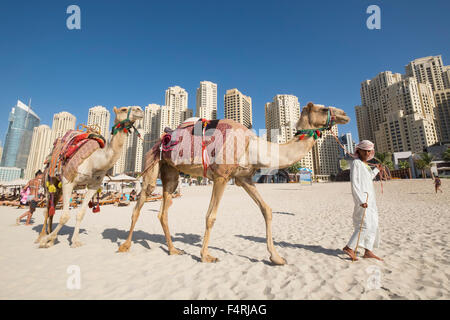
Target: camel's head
x=317 y=116
x=132 y=113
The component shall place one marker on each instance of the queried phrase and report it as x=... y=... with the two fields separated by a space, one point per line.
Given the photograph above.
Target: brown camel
x=258 y=154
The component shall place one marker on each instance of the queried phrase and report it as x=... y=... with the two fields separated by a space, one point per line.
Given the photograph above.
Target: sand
x=310 y=226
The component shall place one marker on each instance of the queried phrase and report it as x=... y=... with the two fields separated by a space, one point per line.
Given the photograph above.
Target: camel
x=313 y=117
x=90 y=174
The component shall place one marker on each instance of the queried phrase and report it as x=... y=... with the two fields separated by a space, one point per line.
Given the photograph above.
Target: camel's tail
x=152 y=157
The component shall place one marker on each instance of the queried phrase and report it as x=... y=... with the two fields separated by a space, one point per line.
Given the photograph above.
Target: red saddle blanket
x=70 y=151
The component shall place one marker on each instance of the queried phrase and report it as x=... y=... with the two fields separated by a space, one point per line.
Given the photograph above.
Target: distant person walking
x=33 y=197
x=361 y=176
x=437 y=184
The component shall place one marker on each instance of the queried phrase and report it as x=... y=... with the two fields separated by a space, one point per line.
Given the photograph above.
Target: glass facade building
x=16 y=149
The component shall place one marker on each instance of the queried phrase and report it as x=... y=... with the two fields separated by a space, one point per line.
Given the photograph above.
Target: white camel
x=90 y=174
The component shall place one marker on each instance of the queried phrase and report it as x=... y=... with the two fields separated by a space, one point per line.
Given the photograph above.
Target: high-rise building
x=41 y=145
x=22 y=121
x=442 y=113
x=100 y=116
x=9 y=173
x=326 y=153
x=177 y=101
x=400 y=113
x=207 y=100
x=282 y=115
x=62 y=122
x=238 y=107
x=348 y=143
x=428 y=70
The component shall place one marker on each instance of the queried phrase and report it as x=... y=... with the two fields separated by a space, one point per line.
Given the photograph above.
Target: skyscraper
x=326 y=153
x=400 y=112
x=238 y=107
x=442 y=113
x=428 y=70
x=177 y=101
x=62 y=122
x=100 y=116
x=207 y=100
x=41 y=145
x=282 y=115
x=348 y=143
x=22 y=121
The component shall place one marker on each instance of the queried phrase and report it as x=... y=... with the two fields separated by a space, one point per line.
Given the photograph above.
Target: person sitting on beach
x=133 y=195
x=437 y=184
x=124 y=200
x=33 y=184
x=361 y=177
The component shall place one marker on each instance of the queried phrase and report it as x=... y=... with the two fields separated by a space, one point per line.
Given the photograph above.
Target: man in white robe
x=361 y=178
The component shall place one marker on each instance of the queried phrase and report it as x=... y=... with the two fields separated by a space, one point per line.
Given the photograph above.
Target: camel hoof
x=175 y=251
x=76 y=244
x=125 y=247
x=278 y=261
x=46 y=243
x=209 y=259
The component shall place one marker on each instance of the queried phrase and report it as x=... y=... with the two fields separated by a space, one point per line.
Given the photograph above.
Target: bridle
x=125 y=125
x=317 y=133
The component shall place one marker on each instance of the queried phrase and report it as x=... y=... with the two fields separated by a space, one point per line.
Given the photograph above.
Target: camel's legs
x=250 y=188
x=217 y=193
x=148 y=185
x=50 y=239
x=47 y=219
x=80 y=215
x=169 y=178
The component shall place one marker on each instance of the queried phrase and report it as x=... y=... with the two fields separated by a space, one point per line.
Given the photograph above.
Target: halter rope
x=317 y=133
x=125 y=126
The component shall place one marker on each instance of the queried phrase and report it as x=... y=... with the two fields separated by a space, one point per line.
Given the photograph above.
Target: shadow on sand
x=65 y=230
x=283 y=244
x=281 y=212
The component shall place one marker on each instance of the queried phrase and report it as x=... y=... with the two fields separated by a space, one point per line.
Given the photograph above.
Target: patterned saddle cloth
x=70 y=151
x=217 y=145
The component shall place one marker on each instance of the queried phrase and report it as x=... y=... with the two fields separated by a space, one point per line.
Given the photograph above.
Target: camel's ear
x=310 y=104
x=115 y=110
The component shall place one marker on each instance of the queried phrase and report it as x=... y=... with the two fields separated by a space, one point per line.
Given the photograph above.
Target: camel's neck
x=114 y=149
x=284 y=155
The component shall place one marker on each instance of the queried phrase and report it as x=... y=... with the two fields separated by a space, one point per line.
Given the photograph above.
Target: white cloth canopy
x=17 y=182
x=122 y=178
x=361 y=177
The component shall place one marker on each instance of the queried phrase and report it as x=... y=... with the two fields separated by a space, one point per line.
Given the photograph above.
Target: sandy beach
x=311 y=224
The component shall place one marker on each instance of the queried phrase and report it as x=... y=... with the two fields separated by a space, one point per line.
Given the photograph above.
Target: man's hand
x=364 y=205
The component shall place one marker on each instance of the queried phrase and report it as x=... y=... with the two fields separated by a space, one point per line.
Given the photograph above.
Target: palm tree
x=424 y=163
x=420 y=164
x=294 y=167
x=403 y=164
x=343 y=164
x=385 y=158
x=446 y=155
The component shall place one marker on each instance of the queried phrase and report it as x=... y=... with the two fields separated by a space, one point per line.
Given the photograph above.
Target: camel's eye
x=123 y=109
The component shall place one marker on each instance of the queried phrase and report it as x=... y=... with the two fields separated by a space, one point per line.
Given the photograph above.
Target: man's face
x=364 y=154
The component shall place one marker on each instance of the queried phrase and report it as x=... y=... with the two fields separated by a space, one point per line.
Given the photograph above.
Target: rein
x=383 y=172
x=317 y=133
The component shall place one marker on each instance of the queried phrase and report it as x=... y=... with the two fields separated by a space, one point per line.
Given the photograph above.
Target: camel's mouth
x=342 y=119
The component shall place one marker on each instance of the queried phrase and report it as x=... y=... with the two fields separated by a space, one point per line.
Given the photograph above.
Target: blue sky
x=130 y=52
